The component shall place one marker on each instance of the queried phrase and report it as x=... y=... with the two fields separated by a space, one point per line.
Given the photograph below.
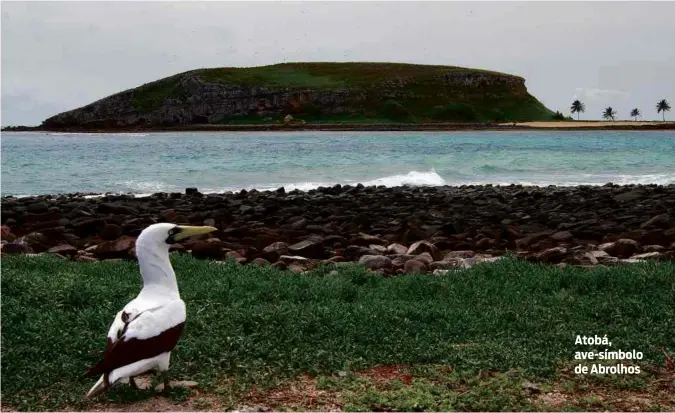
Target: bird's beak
x=186 y=231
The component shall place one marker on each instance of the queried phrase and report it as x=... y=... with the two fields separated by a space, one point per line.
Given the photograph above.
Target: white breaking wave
x=149 y=187
x=412 y=178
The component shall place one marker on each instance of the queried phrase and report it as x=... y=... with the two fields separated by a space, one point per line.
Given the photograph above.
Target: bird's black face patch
x=172 y=233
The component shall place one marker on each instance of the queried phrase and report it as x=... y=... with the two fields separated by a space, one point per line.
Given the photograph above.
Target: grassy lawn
x=496 y=337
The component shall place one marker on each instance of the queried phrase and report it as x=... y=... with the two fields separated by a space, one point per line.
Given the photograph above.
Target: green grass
x=418 y=88
x=257 y=326
x=329 y=75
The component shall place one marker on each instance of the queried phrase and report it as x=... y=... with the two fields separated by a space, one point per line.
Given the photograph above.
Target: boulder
x=582 y=258
x=119 y=248
x=485 y=243
x=425 y=257
x=37 y=241
x=414 y=266
x=562 y=236
x=552 y=255
x=397 y=249
x=111 y=232
x=261 y=262
x=648 y=256
x=659 y=221
x=310 y=248
x=420 y=247
x=622 y=248
x=207 y=249
x=354 y=252
x=376 y=262
x=365 y=240
x=6 y=234
x=16 y=248
x=458 y=254
x=275 y=250
x=234 y=255
x=63 y=249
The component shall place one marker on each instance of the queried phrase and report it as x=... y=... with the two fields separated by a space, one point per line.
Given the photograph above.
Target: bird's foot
x=140 y=383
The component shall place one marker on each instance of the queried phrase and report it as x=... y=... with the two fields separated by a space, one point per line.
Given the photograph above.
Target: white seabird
x=143 y=334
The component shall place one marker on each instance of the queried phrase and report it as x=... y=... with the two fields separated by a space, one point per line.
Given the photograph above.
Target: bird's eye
x=172 y=231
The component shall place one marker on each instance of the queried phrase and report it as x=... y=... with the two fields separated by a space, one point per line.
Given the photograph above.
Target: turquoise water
x=40 y=163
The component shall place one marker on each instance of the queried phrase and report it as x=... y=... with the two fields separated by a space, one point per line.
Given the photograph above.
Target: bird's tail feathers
x=97 y=389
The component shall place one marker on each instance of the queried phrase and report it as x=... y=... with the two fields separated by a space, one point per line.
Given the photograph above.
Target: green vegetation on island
x=315 y=93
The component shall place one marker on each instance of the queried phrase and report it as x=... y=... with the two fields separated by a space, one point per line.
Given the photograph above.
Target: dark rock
x=653 y=248
x=376 y=262
x=63 y=249
x=192 y=191
x=458 y=254
x=111 y=232
x=622 y=248
x=552 y=255
x=236 y=256
x=562 y=236
x=648 y=256
x=119 y=248
x=37 y=241
x=414 y=266
x=424 y=246
x=670 y=233
x=655 y=237
x=206 y=249
x=275 y=250
x=114 y=208
x=299 y=224
x=397 y=249
x=37 y=207
x=582 y=258
x=6 y=234
x=659 y=221
x=485 y=243
x=260 y=261
x=354 y=252
x=629 y=196
x=16 y=248
x=425 y=257
x=365 y=239
x=310 y=248
x=528 y=241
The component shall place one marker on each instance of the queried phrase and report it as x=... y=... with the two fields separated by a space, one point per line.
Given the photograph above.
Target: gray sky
x=57 y=56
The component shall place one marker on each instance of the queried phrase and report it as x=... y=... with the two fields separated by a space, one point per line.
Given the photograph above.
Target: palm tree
x=635 y=113
x=609 y=113
x=662 y=107
x=578 y=107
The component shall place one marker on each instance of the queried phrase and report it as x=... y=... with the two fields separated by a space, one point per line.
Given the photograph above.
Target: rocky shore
x=391 y=230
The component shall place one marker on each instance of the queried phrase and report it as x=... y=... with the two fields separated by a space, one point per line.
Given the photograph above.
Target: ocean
x=144 y=163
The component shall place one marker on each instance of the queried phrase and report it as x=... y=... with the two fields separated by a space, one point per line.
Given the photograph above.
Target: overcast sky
x=57 y=56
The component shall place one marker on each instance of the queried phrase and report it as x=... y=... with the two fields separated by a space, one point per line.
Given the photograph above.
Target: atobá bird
x=147 y=329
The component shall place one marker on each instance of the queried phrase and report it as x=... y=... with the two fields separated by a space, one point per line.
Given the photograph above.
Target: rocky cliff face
x=194 y=98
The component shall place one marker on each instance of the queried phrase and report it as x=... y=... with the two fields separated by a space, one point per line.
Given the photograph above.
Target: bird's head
x=165 y=234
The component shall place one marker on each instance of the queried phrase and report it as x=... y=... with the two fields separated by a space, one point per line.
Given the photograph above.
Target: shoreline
x=384 y=127
x=301 y=192
x=395 y=230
